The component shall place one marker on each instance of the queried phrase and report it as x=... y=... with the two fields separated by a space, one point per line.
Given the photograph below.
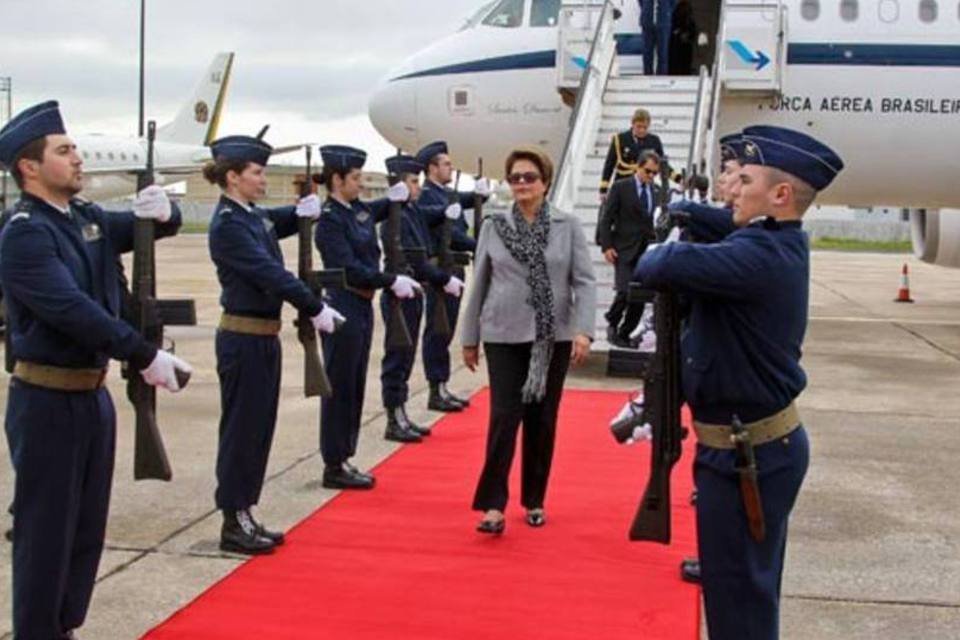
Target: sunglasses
x=651 y=172
x=528 y=177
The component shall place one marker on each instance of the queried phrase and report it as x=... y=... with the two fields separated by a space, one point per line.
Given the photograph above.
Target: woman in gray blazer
x=533 y=306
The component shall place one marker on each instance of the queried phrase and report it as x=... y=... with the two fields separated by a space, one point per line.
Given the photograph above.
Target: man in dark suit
x=625 y=230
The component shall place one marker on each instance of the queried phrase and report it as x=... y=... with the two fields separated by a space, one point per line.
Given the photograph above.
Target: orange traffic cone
x=903 y=295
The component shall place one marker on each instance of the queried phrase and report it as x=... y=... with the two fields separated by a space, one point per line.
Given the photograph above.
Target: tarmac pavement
x=875 y=538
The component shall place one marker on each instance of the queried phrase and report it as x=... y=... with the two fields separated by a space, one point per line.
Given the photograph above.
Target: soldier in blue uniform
x=434 y=204
x=347 y=239
x=656 y=23
x=244 y=246
x=397 y=364
x=741 y=351
x=58 y=258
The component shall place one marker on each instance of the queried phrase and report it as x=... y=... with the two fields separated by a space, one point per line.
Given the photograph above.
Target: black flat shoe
x=690 y=570
x=536 y=518
x=492 y=527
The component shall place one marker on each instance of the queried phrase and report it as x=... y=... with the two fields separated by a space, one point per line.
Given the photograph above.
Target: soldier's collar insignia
x=363 y=216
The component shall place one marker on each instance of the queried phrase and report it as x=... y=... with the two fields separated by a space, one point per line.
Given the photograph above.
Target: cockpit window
x=478 y=15
x=544 y=13
x=507 y=13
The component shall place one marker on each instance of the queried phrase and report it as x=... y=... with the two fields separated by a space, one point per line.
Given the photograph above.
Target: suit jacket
x=627 y=221
x=498 y=311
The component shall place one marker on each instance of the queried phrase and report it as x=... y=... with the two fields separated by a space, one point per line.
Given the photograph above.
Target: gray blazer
x=497 y=309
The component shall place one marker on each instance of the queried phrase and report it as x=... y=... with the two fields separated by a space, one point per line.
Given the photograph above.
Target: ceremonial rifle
x=395 y=261
x=441 y=319
x=478 y=204
x=150 y=456
x=315 y=379
x=662 y=399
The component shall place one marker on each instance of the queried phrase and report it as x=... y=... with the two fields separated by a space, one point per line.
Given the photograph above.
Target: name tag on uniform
x=91 y=232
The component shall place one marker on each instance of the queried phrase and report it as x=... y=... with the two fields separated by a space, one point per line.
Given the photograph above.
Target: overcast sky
x=306 y=67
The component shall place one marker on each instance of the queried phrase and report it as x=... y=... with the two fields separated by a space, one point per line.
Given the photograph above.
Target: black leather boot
x=274 y=536
x=445 y=393
x=239 y=535
x=409 y=424
x=397 y=430
x=690 y=570
x=438 y=403
x=342 y=478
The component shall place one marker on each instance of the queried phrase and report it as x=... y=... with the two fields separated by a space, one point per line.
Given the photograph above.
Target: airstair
x=605 y=103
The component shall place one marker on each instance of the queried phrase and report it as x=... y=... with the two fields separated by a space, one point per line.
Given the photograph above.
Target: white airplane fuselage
x=881 y=91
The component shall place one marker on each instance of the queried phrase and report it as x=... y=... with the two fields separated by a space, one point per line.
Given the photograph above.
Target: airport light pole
x=6 y=110
x=143 y=23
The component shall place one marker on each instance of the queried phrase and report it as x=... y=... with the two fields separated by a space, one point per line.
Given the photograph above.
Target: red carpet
x=403 y=561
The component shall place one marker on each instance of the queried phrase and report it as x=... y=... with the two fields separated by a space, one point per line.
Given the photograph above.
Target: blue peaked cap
x=243 y=148
x=400 y=164
x=342 y=157
x=431 y=151
x=30 y=124
x=791 y=151
x=731 y=147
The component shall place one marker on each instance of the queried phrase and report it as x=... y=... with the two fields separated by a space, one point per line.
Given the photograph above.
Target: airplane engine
x=936 y=236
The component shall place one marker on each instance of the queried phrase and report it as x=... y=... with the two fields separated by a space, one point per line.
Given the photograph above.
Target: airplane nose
x=393 y=112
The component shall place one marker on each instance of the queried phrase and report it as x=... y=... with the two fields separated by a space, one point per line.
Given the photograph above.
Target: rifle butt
x=652 y=521
x=399 y=332
x=150 y=461
x=441 y=319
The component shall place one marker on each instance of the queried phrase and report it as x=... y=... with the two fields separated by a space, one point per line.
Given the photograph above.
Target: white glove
x=399 y=192
x=702 y=40
x=405 y=287
x=162 y=371
x=152 y=204
x=454 y=211
x=309 y=207
x=327 y=320
x=482 y=187
x=454 y=287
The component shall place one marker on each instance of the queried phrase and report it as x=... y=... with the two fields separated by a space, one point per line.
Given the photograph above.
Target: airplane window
x=86 y=156
x=889 y=10
x=507 y=13
x=849 y=10
x=136 y=158
x=123 y=156
x=99 y=156
x=110 y=155
x=810 y=9
x=928 y=10
x=475 y=19
x=544 y=13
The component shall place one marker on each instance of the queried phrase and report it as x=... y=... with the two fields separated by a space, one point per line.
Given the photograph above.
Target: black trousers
x=62 y=447
x=507 y=365
x=619 y=310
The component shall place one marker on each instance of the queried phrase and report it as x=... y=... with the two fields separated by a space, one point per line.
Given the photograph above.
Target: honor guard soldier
x=58 y=271
x=244 y=246
x=741 y=373
x=436 y=203
x=397 y=363
x=626 y=148
x=347 y=239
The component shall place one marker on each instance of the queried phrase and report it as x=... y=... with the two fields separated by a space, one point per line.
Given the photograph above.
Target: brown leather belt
x=59 y=378
x=779 y=425
x=366 y=294
x=249 y=326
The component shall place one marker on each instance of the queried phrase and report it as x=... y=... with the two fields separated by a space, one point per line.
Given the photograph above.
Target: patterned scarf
x=527 y=243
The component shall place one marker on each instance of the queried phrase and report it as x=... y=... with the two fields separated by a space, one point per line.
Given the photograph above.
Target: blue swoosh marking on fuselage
x=884 y=55
x=878 y=55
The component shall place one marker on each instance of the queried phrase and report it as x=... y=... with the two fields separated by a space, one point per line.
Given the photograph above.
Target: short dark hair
x=326 y=177
x=33 y=150
x=536 y=156
x=215 y=171
x=649 y=154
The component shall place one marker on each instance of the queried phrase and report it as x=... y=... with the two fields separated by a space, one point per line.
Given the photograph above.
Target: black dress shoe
x=492 y=527
x=622 y=342
x=274 y=536
x=693 y=497
x=437 y=402
x=410 y=425
x=447 y=395
x=8 y=534
x=396 y=433
x=690 y=570
x=611 y=333
x=536 y=518
x=239 y=535
x=355 y=471
x=341 y=478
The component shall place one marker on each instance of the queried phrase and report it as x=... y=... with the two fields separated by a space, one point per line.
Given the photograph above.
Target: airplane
x=110 y=162
x=875 y=79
